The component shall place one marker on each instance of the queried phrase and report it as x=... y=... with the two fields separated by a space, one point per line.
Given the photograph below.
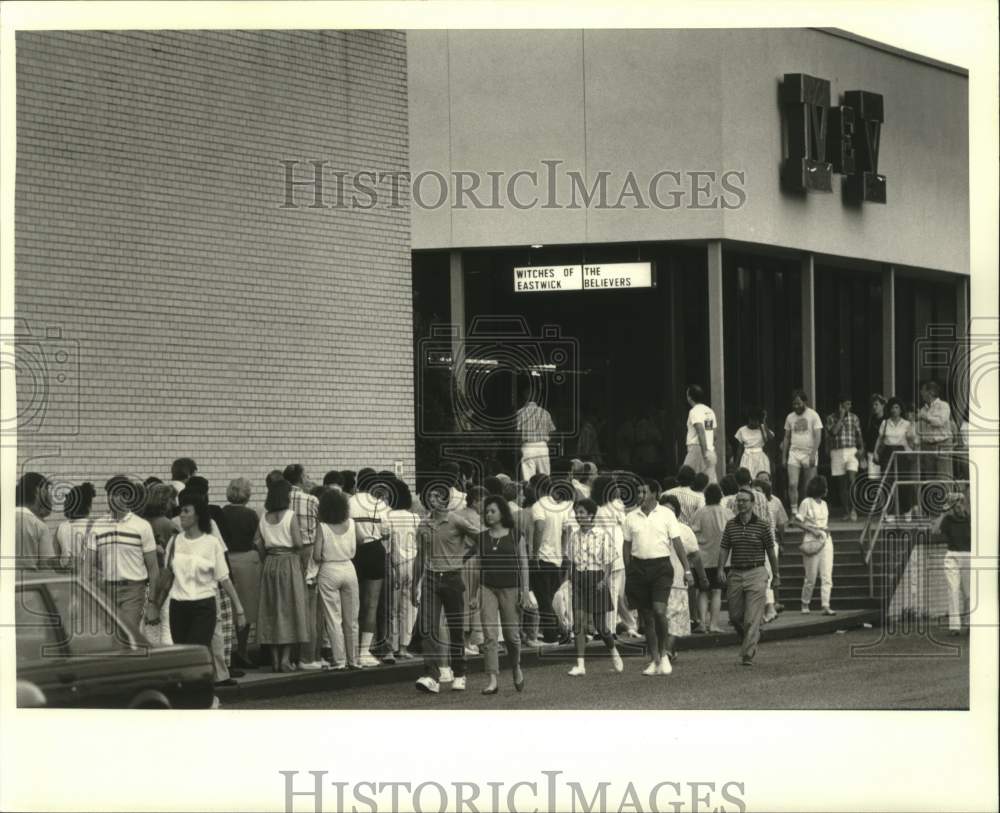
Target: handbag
x=810 y=545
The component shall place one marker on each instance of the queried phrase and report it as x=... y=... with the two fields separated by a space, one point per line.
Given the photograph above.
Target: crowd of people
x=356 y=571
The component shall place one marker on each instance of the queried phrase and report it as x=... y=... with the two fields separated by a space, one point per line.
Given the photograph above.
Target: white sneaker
x=458 y=684
x=367 y=660
x=215 y=703
x=576 y=671
x=652 y=669
x=665 y=666
x=313 y=666
x=446 y=675
x=428 y=684
x=805 y=611
x=616 y=661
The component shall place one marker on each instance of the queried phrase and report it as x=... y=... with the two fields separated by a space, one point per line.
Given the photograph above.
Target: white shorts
x=534 y=459
x=696 y=460
x=843 y=460
x=799 y=459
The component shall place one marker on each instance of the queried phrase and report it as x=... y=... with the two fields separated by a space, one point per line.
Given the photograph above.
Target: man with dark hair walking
x=701 y=426
x=650 y=531
x=800 y=448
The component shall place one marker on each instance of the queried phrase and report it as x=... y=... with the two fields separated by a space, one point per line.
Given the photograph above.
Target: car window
x=36 y=627
x=90 y=628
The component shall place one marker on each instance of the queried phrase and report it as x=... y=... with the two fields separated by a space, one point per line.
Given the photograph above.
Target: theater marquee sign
x=820 y=139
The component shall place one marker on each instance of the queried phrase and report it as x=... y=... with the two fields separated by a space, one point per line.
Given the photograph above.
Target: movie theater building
x=753 y=210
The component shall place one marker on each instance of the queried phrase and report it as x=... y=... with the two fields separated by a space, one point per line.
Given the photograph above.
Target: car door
x=102 y=659
x=40 y=649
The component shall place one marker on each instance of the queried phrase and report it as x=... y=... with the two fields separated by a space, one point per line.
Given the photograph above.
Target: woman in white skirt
x=812 y=517
x=752 y=439
x=337 y=580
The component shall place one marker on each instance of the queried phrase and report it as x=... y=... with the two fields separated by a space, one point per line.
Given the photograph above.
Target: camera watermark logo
x=964 y=362
x=488 y=374
x=44 y=367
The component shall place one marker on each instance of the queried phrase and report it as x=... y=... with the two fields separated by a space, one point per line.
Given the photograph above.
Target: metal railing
x=928 y=496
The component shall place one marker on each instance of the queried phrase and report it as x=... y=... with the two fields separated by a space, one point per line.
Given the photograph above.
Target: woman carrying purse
x=817 y=547
x=195 y=563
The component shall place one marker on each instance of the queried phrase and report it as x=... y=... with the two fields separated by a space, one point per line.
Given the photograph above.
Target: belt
x=280 y=551
x=748 y=567
x=333 y=561
x=125 y=582
x=445 y=572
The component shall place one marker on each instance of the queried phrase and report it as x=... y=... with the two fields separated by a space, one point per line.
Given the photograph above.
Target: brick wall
x=174 y=308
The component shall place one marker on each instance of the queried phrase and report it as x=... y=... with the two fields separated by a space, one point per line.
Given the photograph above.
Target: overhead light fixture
x=537 y=245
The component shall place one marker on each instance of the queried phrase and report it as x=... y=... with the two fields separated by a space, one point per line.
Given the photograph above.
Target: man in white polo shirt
x=650 y=533
x=123 y=550
x=534 y=426
x=701 y=425
x=800 y=448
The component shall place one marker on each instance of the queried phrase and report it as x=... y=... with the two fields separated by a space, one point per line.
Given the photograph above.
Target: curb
x=291 y=684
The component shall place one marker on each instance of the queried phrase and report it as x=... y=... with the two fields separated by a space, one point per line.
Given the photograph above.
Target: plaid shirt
x=849 y=434
x=534 y=424
x=306 y=508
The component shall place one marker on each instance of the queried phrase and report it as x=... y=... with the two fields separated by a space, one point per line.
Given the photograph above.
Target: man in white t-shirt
x=701 y=426
x=800 y=448
x=553 y=520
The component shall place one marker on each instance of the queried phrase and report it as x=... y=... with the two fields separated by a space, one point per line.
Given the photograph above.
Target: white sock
x=366 y=642
x=579 y=663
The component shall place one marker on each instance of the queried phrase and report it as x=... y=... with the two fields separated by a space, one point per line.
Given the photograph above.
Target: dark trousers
x=442 y=591
x=545 y=581
x=192 y=622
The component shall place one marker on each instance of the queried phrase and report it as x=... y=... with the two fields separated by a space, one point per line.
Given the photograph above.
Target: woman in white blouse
x=195 y=563
x=591 y=555
x=812 y=517
x=337 y=580
x=896 y=434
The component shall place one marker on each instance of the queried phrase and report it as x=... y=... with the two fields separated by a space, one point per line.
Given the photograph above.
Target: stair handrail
x=872 y=530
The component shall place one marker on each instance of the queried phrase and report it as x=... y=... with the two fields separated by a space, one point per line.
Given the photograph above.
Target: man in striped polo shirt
x=124 y=552
x=749 y=539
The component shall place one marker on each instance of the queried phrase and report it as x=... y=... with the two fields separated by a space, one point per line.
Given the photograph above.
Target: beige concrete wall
x=683 y=100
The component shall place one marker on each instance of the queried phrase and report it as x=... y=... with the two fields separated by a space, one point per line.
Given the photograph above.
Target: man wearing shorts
x=800 y=448
x=700 y=441
x=534 y=425
x=846 y=446
x=650 y=532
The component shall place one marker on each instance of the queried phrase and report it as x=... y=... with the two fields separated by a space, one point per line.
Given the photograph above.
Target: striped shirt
x=748 y=542
x=691 y=501
x=370 y=514
x=848 y=436
x=534 y=423
x=593 y=550
x=121 y=545
x=306 y=509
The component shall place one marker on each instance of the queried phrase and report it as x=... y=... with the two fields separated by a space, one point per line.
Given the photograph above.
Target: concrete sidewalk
x=262 y=683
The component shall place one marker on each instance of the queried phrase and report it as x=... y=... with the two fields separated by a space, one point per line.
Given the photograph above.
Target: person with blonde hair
x=244 y=561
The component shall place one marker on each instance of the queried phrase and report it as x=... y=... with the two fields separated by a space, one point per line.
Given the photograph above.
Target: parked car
x=76 y=653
